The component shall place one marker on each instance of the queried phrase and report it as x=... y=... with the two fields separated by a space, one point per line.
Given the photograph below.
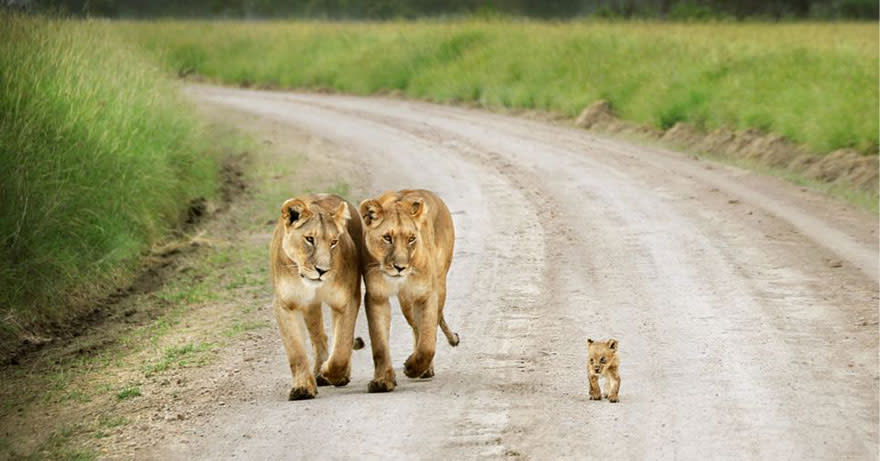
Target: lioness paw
x=429 y=373
x=595 y=397
x=301 y=393
x=414 y=367
x=613 y=399
x=380 y=385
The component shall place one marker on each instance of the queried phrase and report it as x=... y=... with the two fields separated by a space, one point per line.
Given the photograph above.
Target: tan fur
x=300 y=287
x=603 y=362
x=408 y=237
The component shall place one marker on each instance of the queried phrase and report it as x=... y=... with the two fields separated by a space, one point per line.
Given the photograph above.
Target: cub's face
x=311 y=238
x=601 y=354
x=392 y=235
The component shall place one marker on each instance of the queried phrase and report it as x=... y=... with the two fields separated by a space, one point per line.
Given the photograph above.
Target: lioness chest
x=300 y=294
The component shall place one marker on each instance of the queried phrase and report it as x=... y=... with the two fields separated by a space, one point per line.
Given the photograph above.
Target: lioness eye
x=333 y=243
x=310 y=240
x=387 y=238
x=412 y=240
x=602 y=360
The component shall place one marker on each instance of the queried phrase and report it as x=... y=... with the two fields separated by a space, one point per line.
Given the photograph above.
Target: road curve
x=745 y=307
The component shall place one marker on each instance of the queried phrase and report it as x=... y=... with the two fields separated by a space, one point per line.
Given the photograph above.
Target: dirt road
x=745 y=307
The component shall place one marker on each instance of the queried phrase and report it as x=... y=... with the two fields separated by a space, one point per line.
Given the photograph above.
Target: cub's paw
x=613 y=399
x=381 y=385
x=595 y=396
x=301 y=393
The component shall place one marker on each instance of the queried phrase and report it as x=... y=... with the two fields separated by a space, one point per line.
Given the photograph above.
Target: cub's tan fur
x=603 y=361
x=408 y=237
x=316 y=257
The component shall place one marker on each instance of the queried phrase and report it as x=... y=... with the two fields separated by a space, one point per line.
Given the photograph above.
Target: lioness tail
x=450 y=336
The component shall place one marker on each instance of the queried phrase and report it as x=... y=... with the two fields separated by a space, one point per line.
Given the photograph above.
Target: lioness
x=315 y=258
x=603 y=362
x=408 y=237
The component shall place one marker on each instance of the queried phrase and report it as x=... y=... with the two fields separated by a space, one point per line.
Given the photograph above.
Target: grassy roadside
x=99 y=158
x=813 y=83
x=173 y=352
x=150 y=366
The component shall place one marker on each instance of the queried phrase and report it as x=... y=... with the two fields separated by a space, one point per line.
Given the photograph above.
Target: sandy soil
x=745 y=307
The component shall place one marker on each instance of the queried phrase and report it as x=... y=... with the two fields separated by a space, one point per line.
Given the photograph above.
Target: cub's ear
x=418 y=208
x=341 y=215
x=589 y=341
x=371 y=212
x=612 y=344
x=294 y=212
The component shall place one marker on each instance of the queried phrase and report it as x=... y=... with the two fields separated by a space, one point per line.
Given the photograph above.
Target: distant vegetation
x=813 y=83
x=98 y=159
x=387 y=9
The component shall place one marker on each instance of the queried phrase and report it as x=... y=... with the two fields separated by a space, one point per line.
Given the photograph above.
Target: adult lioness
x=316 y=258
x=409 y=238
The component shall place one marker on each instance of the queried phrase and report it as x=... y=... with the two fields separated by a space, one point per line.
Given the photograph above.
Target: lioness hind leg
x=315 y=325
x=290 y=324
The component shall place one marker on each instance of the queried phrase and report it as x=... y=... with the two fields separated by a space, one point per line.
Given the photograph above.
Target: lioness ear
x=341 y=215
x=589 y=341
x=294 y=212
x=612 y=344
x=371 y=212
x=417 y=209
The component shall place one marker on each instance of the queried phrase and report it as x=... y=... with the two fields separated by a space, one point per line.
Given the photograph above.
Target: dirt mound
x=844 y=166
x=598 y=114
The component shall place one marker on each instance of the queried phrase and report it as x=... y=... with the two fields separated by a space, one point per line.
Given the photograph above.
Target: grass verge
x=813 y=83
x=99 y=158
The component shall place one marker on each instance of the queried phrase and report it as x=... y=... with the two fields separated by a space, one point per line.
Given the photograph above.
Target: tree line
x=410 y=9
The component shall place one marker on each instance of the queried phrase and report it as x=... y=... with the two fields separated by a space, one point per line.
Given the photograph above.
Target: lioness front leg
x=315 y=325
x=290 y=324
x=337 y=370
x=419 y=362
x=595 y=391
x=378 y=311
x=406 y=306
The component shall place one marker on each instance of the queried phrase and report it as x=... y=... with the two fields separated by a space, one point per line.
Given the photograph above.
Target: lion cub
x=603 y=362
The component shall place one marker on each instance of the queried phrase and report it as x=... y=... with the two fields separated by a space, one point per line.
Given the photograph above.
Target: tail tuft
x=358 y=343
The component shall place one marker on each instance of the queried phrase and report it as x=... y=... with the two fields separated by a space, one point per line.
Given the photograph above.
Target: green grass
x=179 y=357
x=128 y=393
x=99 y=157
x=814 y=83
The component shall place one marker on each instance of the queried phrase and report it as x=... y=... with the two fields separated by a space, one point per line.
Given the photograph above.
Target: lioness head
x=392 y=235
x=311 y=237
x=601 y=354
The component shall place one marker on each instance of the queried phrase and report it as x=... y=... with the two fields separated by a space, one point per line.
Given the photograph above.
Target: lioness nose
x=399 y=268
x=321 y=271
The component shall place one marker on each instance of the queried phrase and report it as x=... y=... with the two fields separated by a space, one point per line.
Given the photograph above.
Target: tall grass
x=98 y=158
x=814 y=83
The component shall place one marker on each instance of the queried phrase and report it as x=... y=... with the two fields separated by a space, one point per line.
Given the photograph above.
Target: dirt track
x=745 y=307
